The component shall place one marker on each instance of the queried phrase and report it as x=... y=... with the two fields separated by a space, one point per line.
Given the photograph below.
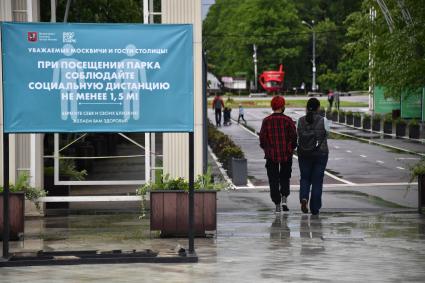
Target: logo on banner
x=32 y=36
x=68 y=37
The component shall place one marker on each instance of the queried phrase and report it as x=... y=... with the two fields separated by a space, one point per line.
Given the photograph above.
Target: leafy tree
x=398 y=47
x=96 y=11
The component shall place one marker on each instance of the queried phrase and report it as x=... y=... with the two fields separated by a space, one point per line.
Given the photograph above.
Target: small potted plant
x=334 y=115
x=376 y=122
x=388 y=124
x=19 y=191
x=418 y=171
x=169 y=204
x=357 y=119
x=366 y=121
x=414 y=129
x=400 y=127
x=341 y=116
x=349 y=118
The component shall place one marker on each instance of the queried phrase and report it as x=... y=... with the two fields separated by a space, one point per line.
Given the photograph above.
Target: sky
x=206 y=4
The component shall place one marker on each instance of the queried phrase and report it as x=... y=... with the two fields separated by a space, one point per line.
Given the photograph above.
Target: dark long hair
x=313 y=104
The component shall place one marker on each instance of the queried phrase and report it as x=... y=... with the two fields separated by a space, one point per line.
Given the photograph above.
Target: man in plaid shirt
x=278 y=139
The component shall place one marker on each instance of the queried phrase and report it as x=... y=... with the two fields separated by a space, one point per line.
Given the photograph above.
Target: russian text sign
x=97 y=77
x=384 y=104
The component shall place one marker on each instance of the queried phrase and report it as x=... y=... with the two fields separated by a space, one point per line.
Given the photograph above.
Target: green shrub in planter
x=400 y=127
x=376 y=122
x=334 y=115
x=22 y=185
x=388 y=123
x=366 y=121
x=357 y=119
x=322 y=111
x=349 y=118
x=414 y=129
x=228 y=152
x=418 y=171
x=341 y=116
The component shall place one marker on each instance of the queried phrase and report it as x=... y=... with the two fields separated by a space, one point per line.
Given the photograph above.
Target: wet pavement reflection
x=249 y=246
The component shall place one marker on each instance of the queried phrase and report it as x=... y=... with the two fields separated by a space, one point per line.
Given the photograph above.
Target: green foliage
x=232 y=27
x=341 y=112
x=366 y=117
x=357 y=115
x=96 y=11
x=22 y=185
x=399 y=54
x=400 y=121
x=335 y=111
x=417 y=169
x=377 y=117
x=223 y=146
x=202 y=182
x=413 y=122
x=349 y=113
x=388 y=117
x=68 y=169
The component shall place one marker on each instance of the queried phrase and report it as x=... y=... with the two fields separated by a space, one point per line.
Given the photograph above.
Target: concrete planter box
x=376 y=125
x=421 y=193
x=341 y=118
x=414 y=131
x=349 y=119
x=357 y=122
x=169 y=212
x=16 y=215
x=400 y=130
x=388 y=127
x=366 y=124
x=238 y=171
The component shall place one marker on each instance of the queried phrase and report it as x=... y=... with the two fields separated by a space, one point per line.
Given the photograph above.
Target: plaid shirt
x=278 y=137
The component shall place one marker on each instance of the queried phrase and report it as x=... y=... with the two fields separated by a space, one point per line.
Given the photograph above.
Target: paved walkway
x=363 y=234
x=355 y=240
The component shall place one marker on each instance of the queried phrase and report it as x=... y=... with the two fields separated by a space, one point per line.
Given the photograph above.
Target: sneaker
x=284 y=205
x=277 y=208
x=304 y=208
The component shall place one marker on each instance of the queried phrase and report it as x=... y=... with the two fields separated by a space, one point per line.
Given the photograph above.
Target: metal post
x=53 y=11
x=314 y=57
x=6 y=227
x=68 y=5
x=191 y=194
x=204 y=114
x=255 y=66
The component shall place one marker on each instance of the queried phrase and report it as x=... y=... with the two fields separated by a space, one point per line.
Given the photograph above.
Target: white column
x=176 y=146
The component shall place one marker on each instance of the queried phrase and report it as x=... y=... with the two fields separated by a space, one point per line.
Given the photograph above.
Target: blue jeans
x=312 y=172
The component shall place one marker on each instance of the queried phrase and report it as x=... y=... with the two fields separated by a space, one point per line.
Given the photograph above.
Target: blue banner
x=97 y=77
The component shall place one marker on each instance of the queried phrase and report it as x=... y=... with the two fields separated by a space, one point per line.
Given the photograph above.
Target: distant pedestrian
x=278 y=139
x=313 y=153
x=241 y=114
x=227 y=116
x=331 y=97
x=218 y=106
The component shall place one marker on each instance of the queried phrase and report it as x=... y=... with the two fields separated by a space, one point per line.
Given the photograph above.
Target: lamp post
x=254 y=56
x=313 y=60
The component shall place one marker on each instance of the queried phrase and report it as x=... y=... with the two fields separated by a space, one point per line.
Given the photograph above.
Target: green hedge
x=223 y=147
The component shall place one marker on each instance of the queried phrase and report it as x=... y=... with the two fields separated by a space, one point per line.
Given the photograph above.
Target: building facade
x=115 y=163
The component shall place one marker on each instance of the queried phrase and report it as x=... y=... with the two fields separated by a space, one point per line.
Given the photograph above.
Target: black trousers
x=217 y=117
x=279 y=177
x=241 y=117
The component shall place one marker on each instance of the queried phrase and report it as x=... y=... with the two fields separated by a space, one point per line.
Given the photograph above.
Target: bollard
x=239 y=171
x=421 y=193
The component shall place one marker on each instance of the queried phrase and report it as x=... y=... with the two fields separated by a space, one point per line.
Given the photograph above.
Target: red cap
x=277 y=102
